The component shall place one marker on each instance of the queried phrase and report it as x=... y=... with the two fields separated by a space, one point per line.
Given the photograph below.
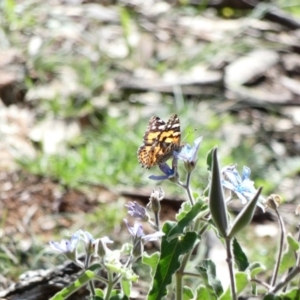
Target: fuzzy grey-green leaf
x=216 y=197
x=245 y=216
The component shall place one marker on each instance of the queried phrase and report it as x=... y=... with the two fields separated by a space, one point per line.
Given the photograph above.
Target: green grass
x=108 y=155
x=108 y=158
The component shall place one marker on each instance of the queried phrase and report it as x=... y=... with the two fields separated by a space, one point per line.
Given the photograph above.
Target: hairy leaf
x=169 y=261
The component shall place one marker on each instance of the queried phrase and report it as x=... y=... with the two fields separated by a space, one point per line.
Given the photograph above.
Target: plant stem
x=282 y=233
x=264 y=284
x=180 y=272
x=188 y=189
x=230 y=267
x=109 y=286
x=86 y=265
x=286 y=280
x=298 y=253
x=179 y=286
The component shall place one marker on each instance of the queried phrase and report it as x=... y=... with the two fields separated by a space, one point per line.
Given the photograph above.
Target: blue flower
x=243 y=187
x=189 y=154
x=67 y=247
x=86 y=237
x=88 y=240
x=169 y=173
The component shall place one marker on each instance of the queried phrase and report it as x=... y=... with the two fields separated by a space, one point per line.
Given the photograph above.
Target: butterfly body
x=160 y=140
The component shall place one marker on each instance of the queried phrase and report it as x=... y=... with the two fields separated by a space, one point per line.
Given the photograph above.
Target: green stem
x=188 y=189
x=179 y=285
x=86 y=265
x=230 y=267
x=186 y=186
x=110 y=285
x=286 y=280
x=281 y=244
x=264 y=284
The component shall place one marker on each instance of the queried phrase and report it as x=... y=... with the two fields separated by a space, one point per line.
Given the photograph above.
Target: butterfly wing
x=160 y=140
x=172 y=134
x=146 y=151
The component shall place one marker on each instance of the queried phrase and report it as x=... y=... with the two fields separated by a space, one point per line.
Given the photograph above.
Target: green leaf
x=288 y=258
x=207 y=270
x=196 y=195
x=151 y=261
x=272 y=297
x=95 y=267
x=126 y=286
x=293 y=294
x=240 y=257
x=187 y=293
x=99 y=293
x=97 y=298
x=127 y=273
x=169 y=261
x=241 y=281
x=209 y=159
x=253 y=288
x=253 y=270
x=217 y=205
x=203 y=294
x=256 y=268
x=293 y=243
x=82 y=280
x=184 y=209
x=179 y=228
x=119 y=297
x=126 y=248
x=245 y=216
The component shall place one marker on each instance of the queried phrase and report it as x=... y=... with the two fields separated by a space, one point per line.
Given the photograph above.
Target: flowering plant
x=180 y=239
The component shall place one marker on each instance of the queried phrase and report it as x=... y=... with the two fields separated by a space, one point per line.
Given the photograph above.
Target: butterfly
x=160 y=140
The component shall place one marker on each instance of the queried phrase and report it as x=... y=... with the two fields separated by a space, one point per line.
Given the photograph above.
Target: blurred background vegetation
x=79 y=81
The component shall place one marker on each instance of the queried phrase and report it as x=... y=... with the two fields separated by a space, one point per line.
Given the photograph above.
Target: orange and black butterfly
x=160 y=140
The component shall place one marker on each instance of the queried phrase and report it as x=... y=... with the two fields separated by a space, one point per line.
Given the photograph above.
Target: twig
x=281 y=244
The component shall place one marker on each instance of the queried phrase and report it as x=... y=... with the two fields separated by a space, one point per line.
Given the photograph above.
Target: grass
x=108 y=155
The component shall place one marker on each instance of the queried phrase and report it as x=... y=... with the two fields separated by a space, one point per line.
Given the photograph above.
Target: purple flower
x=137 y=211
x=137 y=232
x=139 y=238
x=189 y=154
x=243 y=187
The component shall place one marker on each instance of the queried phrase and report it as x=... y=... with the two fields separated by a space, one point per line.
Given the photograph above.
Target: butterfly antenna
x=189 y=133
